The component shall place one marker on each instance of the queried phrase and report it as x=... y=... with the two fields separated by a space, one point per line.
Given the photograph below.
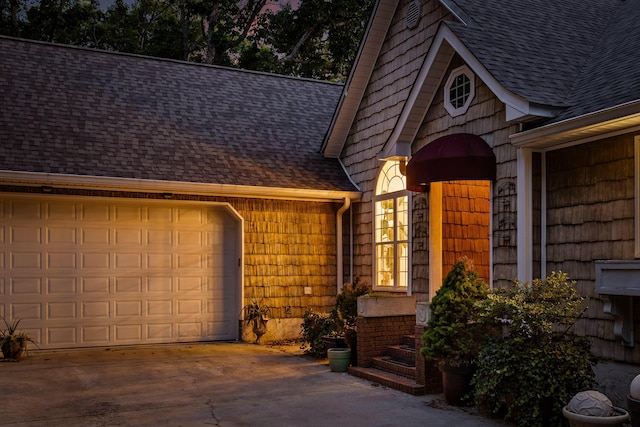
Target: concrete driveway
x=219 y=384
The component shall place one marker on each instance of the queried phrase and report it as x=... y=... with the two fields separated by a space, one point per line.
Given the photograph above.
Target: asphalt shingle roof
x=581 y=55
x=76 y=111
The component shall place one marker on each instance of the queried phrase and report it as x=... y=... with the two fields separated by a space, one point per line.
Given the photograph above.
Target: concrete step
x=388 y=379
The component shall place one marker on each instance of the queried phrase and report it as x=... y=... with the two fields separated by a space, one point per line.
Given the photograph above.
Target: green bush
x=314 y=327
x=534 y=368
x=453 y=335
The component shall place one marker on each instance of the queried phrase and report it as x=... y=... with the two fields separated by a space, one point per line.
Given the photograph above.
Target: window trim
x=395 y=196
x=462 y=70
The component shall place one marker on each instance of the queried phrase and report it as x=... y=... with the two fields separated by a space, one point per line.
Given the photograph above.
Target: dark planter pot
x=456 y=384
x=13 y=350
x=634 y=410
x=351 y=338
x=334 y=342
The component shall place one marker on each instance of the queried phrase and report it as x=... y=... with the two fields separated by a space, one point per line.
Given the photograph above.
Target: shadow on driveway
x=206 y=384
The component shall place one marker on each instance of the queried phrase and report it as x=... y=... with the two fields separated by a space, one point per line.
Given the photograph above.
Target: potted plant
x=537 y=364
x=12 y=341
x=316 y=327
x=453 y=337
x=256 y=314
x=336 y=329
x=347 y=309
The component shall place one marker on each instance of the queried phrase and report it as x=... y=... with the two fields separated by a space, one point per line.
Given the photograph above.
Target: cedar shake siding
x=590 y=217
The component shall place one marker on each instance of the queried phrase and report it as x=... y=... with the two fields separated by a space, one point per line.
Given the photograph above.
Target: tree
x=319 y=39
x=11 y=12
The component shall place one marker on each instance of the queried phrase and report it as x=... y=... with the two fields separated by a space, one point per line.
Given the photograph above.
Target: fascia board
x=584 y=128
x=154 y=186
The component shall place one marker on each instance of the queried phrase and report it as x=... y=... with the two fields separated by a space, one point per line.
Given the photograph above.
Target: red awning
x=461 y=156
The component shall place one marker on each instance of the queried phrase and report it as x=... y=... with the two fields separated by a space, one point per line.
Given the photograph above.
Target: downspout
x=339 y=251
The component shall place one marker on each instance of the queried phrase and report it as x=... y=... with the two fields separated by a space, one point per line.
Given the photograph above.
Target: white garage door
x=83 y=272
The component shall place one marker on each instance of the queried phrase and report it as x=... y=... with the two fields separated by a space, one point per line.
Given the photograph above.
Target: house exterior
x=508 y=133
x=147 y=201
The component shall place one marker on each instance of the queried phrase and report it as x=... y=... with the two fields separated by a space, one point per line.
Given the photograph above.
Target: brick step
x=402 y=353
x=408 y=341
x=388 y=379
x=395 y=366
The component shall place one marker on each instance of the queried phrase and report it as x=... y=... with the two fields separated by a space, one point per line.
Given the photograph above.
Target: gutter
x=36 y=179
x=339 y=251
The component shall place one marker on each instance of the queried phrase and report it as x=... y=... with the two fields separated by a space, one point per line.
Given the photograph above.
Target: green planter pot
x=339 y=359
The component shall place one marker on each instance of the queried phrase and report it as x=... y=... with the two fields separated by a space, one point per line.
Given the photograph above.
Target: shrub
x=538 y=363
x=314 y=327
x=452 y=334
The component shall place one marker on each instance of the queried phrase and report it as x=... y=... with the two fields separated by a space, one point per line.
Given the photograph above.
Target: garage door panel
x=128 y=260
x=161 y=332
x=159 y=261
x=160 y=308
x=189 y=285
x=25 y=210
x=62 y=310
x=61 y=260
x=125 y=334
x=96 y=335
x=128 y=237
x=25 y=235
x=66 y=286
x=127 y=213
x=97 y=310
x=93 y=261
x=188 y=216
x=189 y=330
x=26 y=311
x=26 y=260
x=95 y=236
x=161 y=285
x=26 y=286
x=161 y=238
x=60 y=236
x=187 y=307
x=95 y=285
x=97 y=273
x=95 y=212
x=128 y=285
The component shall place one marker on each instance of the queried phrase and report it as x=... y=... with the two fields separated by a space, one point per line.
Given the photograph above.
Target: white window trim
x=453 y=112
x=377 y=198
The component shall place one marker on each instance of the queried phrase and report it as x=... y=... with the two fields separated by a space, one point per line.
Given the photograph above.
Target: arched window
x=391 y=218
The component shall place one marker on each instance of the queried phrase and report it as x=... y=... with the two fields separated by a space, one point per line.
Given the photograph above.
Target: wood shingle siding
x=590 y=216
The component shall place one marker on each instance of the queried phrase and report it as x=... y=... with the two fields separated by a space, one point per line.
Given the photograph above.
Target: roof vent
x=413 y=13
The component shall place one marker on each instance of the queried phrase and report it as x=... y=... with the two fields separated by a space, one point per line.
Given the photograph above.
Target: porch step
x=388 y=379
x=408 y=341
x=403 y=368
